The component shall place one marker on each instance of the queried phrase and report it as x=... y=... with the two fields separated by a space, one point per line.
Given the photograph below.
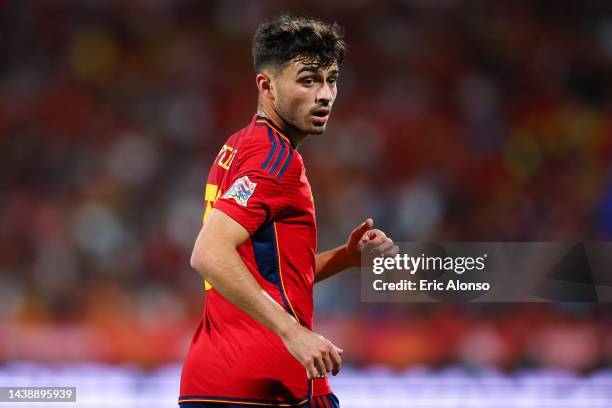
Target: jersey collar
x=263 y=119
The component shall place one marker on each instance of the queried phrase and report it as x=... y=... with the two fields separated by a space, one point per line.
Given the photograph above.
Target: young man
x=257 y=247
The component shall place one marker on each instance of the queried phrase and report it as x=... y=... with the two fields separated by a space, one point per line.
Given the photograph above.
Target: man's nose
x=325 y=95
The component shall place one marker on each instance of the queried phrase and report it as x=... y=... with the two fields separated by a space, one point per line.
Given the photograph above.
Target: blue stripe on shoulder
x=280 y=156
x=286 y=164
x=272 y=150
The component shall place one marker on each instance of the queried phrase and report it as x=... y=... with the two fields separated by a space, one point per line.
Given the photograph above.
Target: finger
x=339 y=350
x=375 y=233
x=376 y=239
x=311 y=370
x=320 y=367
x=329 y=364
x=361 y=229
x=337 y=361
x=385 y=246
x=392 y=251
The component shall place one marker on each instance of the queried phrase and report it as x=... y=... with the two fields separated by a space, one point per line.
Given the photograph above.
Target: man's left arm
x=363 y=238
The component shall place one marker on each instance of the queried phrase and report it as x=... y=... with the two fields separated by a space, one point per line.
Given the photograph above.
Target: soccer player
x=257 y=247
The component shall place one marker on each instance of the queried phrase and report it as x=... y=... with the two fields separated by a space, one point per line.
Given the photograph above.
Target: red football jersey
x=259 y=180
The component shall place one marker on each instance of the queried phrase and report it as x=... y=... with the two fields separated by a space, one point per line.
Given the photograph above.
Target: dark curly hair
x=281 y=40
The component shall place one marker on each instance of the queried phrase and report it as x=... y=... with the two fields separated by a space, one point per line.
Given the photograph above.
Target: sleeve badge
x=241 y=190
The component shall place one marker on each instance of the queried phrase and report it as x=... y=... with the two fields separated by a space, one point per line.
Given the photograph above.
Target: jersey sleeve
x=259 y=192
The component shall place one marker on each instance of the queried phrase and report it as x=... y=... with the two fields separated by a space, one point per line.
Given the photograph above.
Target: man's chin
x=316 y=130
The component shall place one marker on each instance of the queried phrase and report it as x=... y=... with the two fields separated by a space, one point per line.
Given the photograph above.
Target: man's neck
x=295 y=135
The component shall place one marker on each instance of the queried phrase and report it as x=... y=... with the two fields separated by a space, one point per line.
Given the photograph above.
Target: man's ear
x=264 y=85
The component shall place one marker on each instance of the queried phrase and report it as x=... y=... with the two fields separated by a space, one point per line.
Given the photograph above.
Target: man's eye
x=332 y=81
x=308 y=81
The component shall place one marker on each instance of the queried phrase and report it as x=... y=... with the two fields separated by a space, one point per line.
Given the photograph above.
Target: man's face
x=304 y=95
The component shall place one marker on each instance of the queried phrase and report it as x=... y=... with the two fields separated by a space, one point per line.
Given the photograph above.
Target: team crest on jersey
x=241 y=190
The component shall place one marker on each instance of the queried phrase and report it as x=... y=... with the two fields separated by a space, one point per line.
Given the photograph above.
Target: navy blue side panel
x=266 y=258
x=264 y=246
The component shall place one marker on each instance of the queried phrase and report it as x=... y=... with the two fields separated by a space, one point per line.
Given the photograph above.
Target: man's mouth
x=321 y=112
x=321 y=115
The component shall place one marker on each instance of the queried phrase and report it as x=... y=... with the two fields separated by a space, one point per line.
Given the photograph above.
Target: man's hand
x=365 y=239
x=317 y=354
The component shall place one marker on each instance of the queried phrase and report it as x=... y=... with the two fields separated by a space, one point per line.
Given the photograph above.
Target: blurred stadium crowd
x=455 y=121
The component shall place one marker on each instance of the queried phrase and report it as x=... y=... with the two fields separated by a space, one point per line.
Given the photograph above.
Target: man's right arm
x=216 y=258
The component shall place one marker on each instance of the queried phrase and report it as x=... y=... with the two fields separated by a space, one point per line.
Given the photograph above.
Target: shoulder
x=266 y=150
